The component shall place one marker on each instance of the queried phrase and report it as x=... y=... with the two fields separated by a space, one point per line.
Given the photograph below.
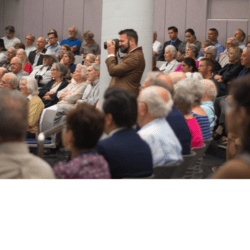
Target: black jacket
x=176 y=44
x=32 y=56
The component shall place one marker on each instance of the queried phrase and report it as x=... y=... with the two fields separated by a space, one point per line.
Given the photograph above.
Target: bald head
x=176 y=77
x=9 y=81
x=2 y=72
x=210 y=90
x=40 y=43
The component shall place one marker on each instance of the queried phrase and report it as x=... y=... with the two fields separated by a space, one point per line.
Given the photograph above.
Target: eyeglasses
x=28 y=39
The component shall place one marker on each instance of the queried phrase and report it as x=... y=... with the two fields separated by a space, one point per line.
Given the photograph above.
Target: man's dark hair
x=13 y=115
x=122 y=105
x=213 y=29
x=87 y=125
x=10 y=28
x=173 y=28
x=53 y=33
x=209 y=63
x=130 y=33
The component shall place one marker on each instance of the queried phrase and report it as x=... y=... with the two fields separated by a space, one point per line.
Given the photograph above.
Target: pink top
x=195 y=129
x=179 y=69
x=27 y=68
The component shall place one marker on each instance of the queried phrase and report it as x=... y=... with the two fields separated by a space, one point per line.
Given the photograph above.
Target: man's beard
x=71 y=36
x=125 y=50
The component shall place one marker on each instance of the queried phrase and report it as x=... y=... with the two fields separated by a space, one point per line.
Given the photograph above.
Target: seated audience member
x=19 y=46
x=68 y=60
x=64 y=48
x=10 y=54
x=240 y=36
x=245 y=62
x=49 y=92
x=91 y=93
x=237 y=121
x=85 y=161
x=207 y=101
x=179 y=57
x=154 y=68
x=206 y=68
x=204 y=45
x=10 y=40
x=9 y=81
x=191 y=52
x=98 y=59
x=42 y=73
x=175 y=118
x=184 y=100
x=89 y=45
x=170 y=57
x=17 y=68
x=53 y=43
x=126 y=153
x=36 y=56
x=29 y=44
x=190 y=39
x=188 y=67
x=48 y=40
x=16 y=162
x=231 y=42
x=197 y=111
x=69 y=95
x=2 y=72
x=211 y=52
x=29 y=88
x=3 y=57
x=90 y=58
x=213 y=36
x=174 y=40
x=231 y=70
x=72 y=41
x=25 y=61
x=154 y=105
x=157 y=48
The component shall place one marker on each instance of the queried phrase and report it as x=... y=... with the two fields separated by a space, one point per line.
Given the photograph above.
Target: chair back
x=164 y=172
x=188 y=162
x=207 y=142
x=78 y=59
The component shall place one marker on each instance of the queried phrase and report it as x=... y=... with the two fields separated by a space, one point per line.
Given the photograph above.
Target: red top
x=28 y=68
x=195 y=129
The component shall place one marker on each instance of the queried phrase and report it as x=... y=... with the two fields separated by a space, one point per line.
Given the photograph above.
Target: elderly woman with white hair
x=184 y=99
x=21 y=53
x=29 y=88
x=211 y=52
x=170 y=57
x=89 y=45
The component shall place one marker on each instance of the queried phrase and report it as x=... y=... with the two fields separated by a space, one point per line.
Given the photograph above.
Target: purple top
x=85 y=166
x=179 y=69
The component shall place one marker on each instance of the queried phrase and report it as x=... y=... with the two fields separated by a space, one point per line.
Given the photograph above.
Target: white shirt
x=42 y=71
x=8 y=43
x=157 y=47
x=30 y=48
x=3 y=58
x=169 y=66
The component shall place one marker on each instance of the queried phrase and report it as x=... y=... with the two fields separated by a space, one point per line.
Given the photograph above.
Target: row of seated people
x=76 y=46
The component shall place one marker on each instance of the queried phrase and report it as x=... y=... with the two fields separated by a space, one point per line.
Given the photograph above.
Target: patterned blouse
x=88 y=165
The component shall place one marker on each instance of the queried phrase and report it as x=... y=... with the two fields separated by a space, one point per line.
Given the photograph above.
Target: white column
x=130 y=14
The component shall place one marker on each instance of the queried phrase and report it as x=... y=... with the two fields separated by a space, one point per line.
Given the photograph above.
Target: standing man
x=29 y=44
x=213 y=36
x=156 y=45
x=53 y=43
x=10 y=40
x=36 y=56
x=72 y=41
x=174 y=40
x=128 y=73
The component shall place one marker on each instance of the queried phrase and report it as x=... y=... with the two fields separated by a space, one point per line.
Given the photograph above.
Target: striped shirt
x=204 y=124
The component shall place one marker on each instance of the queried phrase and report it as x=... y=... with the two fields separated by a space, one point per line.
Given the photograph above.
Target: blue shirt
x=204 y=124
x=220 y=49
x=165 y=147
x=208 y=106
x=72 y=43
x=56 y=48
x=172 y=42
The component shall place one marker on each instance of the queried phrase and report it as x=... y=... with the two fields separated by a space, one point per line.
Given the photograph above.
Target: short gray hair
x=235 y=42
x=83 y=71
x=92 y=57
x=13 y=50
x=76 y=30
x=172 y=50
x=32 y=86
x=209 y=89
x=13 y=115
x=13 y=80
x=212 y=49
x=61 y=68
x=88 y=33
x=96 y=66
x=194 y=48
x=157 y=107
x=33 y=37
